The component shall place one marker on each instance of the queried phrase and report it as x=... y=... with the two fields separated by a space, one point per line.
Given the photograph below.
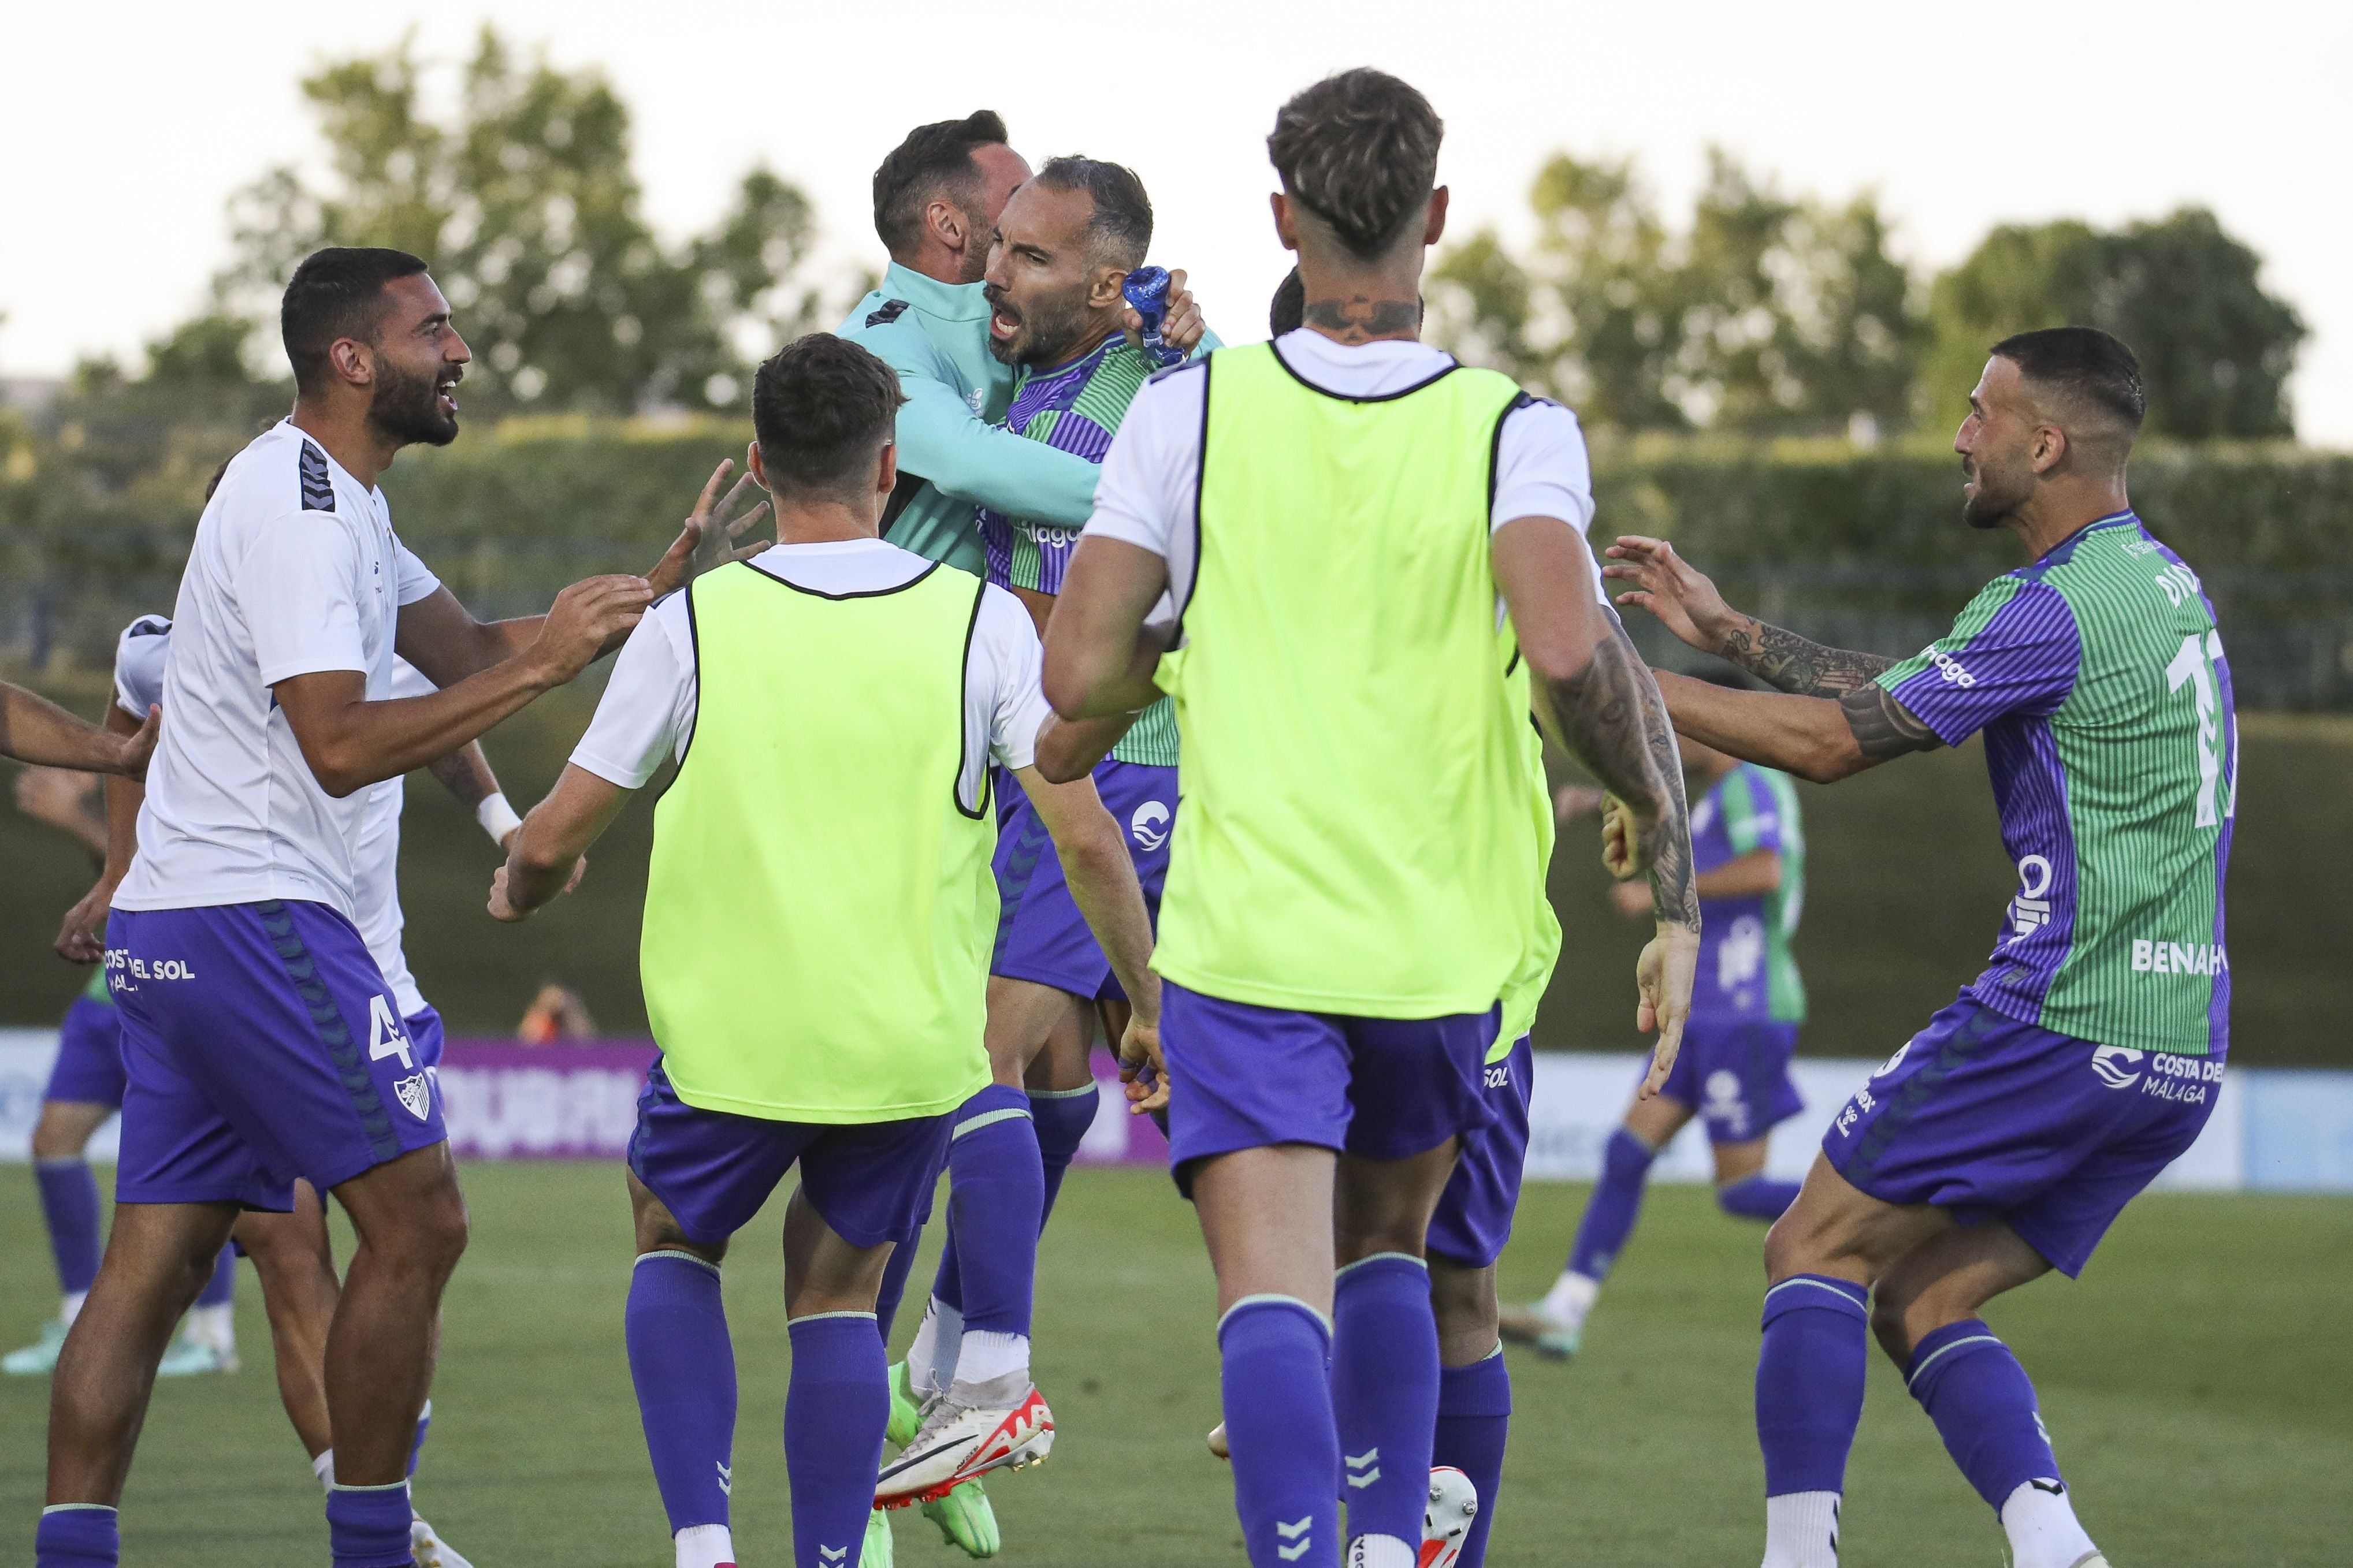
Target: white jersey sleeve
x=647 y=713
x=139 y=658
x=1007 y=654
x=298 y=581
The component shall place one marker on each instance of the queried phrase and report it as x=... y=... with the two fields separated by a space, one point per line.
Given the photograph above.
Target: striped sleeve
x=2015 y=649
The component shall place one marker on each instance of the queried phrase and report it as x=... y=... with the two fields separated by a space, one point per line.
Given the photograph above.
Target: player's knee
x=1463 y=1302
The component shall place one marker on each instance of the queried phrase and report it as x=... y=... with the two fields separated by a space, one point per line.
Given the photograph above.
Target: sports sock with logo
x=683 y=1365
x=835 y=1411
x=1984 y=1407
x=1475 y=1417
x=997 y=1203
x=69 y=1207
x=78 y=1535
x=1757 y=1197
x=1062 y=1117
x=1385 y=1379
x=1809 y=1381
x=1278 y=1423
x=1610 y=1212
x=367 y=1527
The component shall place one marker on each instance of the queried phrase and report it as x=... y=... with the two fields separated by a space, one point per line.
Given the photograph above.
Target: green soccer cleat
x=965 y=1519
x=37 y=1360
x=1553 y=1337
x=876 y=1551
x=906 y=1410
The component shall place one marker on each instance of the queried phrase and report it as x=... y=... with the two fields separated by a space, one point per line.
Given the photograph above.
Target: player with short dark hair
x=1303 y=544
x=2003 y=1140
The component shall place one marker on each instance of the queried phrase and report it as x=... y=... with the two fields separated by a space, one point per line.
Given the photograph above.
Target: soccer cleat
x=431 y=1552
x=906 y=1411
x=1445 y=1523
x=1218 y=1444
x=192 y=1358
x=965 y=1519
x=1554 y=1338
x=37 y=1360
x=875 y=1551
x=958 y=1442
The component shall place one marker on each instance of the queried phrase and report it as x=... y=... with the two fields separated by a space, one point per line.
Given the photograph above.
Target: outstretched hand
x=708 y=539
x=1670 y=588
x=1664 y=977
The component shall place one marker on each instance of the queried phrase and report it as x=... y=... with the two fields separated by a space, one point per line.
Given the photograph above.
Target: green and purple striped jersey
x=1746 y=972
x=1075 y=409
x=2099 y=680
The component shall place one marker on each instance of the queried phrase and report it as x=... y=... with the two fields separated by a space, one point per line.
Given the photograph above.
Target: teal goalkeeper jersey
x=2099 y=680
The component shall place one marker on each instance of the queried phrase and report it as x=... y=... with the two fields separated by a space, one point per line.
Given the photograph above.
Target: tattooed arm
x=1686 y=601
x=1599 y=701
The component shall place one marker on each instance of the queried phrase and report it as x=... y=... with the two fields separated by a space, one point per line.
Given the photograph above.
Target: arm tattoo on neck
x=1363 y=319
x=1882 y=727
x=1611 y=716
x=1785 y=660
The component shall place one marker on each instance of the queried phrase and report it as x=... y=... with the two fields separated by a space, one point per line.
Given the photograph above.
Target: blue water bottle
x=1148 y=293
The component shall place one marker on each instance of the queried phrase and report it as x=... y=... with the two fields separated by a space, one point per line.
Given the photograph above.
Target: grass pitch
x=2198 y=1384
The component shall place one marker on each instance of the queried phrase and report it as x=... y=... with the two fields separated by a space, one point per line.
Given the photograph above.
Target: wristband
x=497 y=817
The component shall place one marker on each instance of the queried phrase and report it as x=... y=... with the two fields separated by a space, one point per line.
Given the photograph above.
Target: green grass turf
x=2199 y=1385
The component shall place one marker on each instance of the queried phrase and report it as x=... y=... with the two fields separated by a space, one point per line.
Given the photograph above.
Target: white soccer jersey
x=139 y=659
x=295 y=570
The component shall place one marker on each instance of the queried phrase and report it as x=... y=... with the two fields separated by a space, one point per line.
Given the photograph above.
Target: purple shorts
x=1992 y=1119
x=261 y=1044
x=1473 y=1218
x=1040 y=935
x=425 y=1035
x=1736 y=1076
x=89 y=1070
x=1242 y=1076
x=872 y=1182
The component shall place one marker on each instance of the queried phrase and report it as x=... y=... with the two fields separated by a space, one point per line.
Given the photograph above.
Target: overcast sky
x=125 y=126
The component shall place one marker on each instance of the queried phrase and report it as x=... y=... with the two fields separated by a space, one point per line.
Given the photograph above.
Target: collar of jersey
x=2058 y=553
x=948 y=302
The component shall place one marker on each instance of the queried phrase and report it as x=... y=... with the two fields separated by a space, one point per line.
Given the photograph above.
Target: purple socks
x=69 y=1205
x=1809 y=1377
x=367 y=1527
x=835 y=1411
x=1984 y=1408
x=996 y=1206
x=1474 y=1416
x=1611 y=1213
x=684 y=1369
x=1062 y=1117
x=1757 y=1197
x=1385 y=1383
x=221 y=1289
x=78 y=1535
x=1286 y=1447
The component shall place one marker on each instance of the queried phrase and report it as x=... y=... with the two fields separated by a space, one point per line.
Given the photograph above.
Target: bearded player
x=2004 y=1138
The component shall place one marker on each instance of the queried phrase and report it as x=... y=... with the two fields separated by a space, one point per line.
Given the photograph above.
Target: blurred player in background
x=1066 y=242
x=938 y=197
x=818 y=919
x=2003 y=1140
x=1357 y=866
x=1748 y=848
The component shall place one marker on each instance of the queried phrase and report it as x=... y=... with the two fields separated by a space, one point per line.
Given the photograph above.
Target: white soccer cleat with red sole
x=1445 y=1523
x=958 y=1442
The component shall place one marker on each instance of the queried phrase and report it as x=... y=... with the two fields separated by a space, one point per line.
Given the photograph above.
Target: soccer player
x=1748 y=848
x=818 y=915
x=1067 y=241
x=1333 y=517
x=2002 y=1140
x=261 y=1043
x=938 y=197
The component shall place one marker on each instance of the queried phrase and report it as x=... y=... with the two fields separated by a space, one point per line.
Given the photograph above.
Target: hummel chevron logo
x=1296 y=1532
x=832 y=1554
x=1357 y=1463
x=726 y=1481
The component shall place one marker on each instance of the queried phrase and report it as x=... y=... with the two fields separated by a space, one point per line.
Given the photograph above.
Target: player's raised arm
x=35 y=730
x=1686 y=601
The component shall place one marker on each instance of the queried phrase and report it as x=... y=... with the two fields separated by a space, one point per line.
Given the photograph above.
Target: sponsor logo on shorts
x=2029 y=911
x=2180 y=1078
x=1724 y=1104
x=1498 y=1076
x=1149 y=825
x=2154 y=957
x=121 y=968
x=2118 y=1067
x=416 y=1095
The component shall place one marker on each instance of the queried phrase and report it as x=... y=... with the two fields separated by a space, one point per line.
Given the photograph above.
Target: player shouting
x=818 y=921
x=2002 y=1140
x=1357 y=867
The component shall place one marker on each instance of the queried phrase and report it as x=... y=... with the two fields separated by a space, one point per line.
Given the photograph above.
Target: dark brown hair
x=934 y=158
x=821 y=408
x=1360 y=150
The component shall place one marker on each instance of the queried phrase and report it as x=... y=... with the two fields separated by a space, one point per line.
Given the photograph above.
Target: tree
x=524 y=202
x=2215 y=349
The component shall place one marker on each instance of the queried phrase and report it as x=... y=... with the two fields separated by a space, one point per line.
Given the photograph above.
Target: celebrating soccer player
x=261 y=1042
x=818 y=918
x=1357 y=867
x=1748 y=850
x=2003 y=1140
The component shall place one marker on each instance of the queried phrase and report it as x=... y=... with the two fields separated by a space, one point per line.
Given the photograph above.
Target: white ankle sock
x=1802 y=1531
x=1570 y=1297
x=214 y=1327
x=1379 y=1552
x=705 y=1546
x=987 y=1356
x=932 y=1359
x=71 y=1308
x=324 y=1467
x=2042 y=1526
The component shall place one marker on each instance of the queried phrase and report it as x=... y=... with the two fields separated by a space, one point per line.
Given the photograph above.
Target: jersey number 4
x=2194 y=666
x=386 y=1037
